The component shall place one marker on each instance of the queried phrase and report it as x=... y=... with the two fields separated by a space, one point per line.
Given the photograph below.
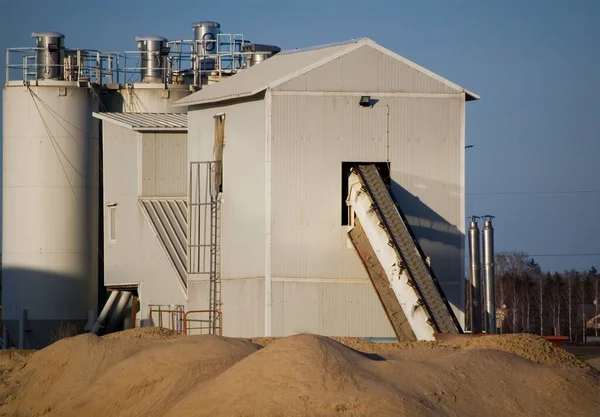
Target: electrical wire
x=535 y=192
x=55 y=144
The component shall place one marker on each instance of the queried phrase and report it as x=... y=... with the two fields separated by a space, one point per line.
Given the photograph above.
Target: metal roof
x=287 y=65
x=147 y=122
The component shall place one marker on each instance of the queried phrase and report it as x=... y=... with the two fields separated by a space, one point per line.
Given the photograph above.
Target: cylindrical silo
x=147 y=98
x=158 y=89
x=50 y=206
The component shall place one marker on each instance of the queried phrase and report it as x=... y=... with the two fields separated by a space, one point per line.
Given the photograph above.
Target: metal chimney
x=475 y=279
x=488 y=272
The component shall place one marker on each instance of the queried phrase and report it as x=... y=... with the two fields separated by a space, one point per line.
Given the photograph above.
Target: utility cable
x=54 y=145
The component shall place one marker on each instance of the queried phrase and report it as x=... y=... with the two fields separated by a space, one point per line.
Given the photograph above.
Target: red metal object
x=556 y=340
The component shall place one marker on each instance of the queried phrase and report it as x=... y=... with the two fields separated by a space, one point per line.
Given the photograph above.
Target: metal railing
x=187 y=62
x=167 y=316
x=77 y=65
x=194 y=326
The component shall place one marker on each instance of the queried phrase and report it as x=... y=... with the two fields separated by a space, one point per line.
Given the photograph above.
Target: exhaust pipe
x=475 y=278
x=488 y=272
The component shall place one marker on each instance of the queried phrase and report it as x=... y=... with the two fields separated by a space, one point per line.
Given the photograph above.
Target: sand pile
x=300 y=375
x=146 y=333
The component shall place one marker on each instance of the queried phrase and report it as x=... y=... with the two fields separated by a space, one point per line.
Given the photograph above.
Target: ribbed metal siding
x=366 y=69
x=312 y=135
x=329 y=308
x=164 y=162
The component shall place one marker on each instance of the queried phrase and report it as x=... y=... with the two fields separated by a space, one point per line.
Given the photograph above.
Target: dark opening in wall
x=384 y=171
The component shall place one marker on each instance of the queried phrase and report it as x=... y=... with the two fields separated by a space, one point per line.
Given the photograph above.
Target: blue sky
x=536 y=64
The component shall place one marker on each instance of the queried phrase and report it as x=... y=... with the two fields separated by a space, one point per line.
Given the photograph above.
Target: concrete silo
x=50 y=195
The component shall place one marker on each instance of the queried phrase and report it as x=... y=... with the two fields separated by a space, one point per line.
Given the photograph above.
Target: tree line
x=529 y=300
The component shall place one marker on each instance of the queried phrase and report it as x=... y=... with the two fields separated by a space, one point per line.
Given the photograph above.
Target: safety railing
x=73 y=65
x=200 y=322
x=185 y=62
x=167 y=316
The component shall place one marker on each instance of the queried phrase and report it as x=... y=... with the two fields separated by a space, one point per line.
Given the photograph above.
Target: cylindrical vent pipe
x=258 y=52
x=475 y=279
x=206 y=37
x=154 y=53
x=50 y=55
x=488 y=273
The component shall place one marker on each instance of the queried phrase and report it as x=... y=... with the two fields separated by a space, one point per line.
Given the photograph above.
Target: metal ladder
x=204 y=234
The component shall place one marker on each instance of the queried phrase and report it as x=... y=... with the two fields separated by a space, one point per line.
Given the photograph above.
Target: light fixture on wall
x=365 y=101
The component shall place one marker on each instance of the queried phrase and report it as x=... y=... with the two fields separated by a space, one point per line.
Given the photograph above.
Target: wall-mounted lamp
x=365 y=101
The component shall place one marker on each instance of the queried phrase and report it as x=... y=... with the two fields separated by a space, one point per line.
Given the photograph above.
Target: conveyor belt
x=408 y=250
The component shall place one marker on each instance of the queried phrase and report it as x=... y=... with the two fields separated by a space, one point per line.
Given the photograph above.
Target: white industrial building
x=290 y=125
x=228 y=214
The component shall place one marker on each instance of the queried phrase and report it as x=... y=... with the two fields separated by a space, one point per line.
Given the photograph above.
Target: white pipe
x=114 y=318
x=104 y=313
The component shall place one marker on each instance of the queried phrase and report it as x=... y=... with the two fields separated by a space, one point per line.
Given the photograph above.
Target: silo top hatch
x=206 y=23
x=47 y=35
x=150 y=38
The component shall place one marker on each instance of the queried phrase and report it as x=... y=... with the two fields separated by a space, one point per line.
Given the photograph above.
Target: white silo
x=50 y=197
x=155 y=89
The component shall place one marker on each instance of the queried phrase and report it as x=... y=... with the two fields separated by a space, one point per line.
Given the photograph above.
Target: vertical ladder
x=204 y=242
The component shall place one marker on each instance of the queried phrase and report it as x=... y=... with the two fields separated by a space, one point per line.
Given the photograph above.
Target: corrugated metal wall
x=136 y=257
x=164 y=164
x=312 y=136
x=243 y=205
x=366 y=69
x=328 y=307
x=319 y=284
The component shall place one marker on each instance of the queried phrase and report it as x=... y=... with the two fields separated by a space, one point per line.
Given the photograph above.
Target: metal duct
x=488 y=273
x=101 y=321
x=475 y=278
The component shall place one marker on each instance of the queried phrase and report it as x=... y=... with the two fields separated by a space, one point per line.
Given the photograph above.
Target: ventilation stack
x=488 y=273
x=475 y=275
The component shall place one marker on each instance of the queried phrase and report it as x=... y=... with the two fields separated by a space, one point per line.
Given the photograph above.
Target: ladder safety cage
x=204 y=233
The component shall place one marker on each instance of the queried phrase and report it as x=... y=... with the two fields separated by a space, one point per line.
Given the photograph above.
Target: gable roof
x=147 y=122
x=289 y=64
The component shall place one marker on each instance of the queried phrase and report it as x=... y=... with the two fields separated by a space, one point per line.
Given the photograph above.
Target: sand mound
x=528 y=346
x=312 y=375
x=595 y=363
x=108 y=376
x=146 y=333
x=128 y=375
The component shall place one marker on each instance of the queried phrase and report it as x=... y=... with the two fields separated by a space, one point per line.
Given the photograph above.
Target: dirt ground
x=154 y=372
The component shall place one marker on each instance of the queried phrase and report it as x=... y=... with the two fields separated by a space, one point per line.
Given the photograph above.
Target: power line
x=535 y=192
x=557 y=255
x=562 y=254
